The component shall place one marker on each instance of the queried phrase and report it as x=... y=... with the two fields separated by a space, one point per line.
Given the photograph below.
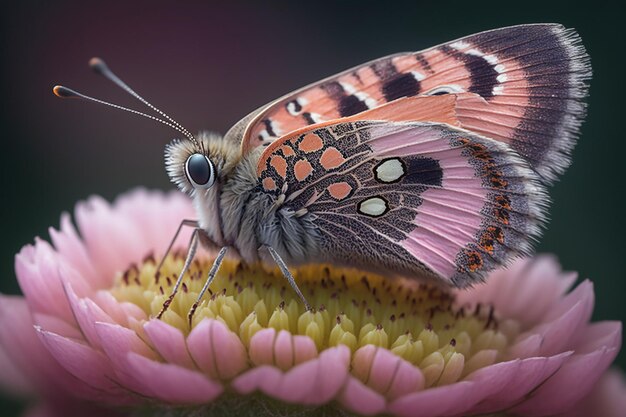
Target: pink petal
x=458 y=398
x=68 y=275
x=313 y=382
x=86 y=364
x=263 y=378
x=113 y=308
x=133 y=312
x=87 y=314
x=169 y=342
x=332 y=372
x=532 y=372
x=113 y=241
x=526 y=346
x=582 y=293
x=536 y=281
x=21 y=346
x=607 y=399
x=358 y=398
x=390 y=375
x=172 y=383
x=448 y=400
x=283 y=350
x=12 y=380
x=597 y=335
x=572 y=382
x=137 y=223
x=558 y=333
x=37 y=270
x=71 y=248
x=117 y=342
x=56 y=325
x=407 y=379
x=362 y=361
x=539 y=284
x=158 y=215
x=262 y=347
x=20 y=343
x=216 y=350
x=382 y=370
x=304 y=348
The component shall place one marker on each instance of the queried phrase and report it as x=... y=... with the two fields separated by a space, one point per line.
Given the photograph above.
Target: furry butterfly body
x=430 y=164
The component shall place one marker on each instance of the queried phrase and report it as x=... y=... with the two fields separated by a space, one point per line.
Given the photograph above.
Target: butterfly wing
x=523 y=85
x=411 y=197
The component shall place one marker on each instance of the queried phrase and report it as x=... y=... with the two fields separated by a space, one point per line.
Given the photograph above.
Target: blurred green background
x=210 y=64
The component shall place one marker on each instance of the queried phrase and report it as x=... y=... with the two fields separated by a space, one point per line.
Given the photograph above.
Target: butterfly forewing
x=523 y=85
x=412 y=197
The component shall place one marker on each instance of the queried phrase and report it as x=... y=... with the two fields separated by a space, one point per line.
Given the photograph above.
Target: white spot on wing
x=492 y=59
x=365 y=98
x=418 y=75
x=502 y=78
x=497 y=90
x=291 y=106
x=316 y=117
x=459 y=45
x=276 y=128
x=348 y=88
x=390 y=171
x=374 y=206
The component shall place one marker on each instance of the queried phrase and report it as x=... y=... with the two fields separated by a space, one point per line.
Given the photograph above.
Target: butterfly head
x=196 y=167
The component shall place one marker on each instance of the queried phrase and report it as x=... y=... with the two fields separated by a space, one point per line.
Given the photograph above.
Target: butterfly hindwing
x=522 y=85
x=411 y=197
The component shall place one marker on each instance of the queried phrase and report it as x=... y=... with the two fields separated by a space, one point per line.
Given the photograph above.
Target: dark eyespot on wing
x=350 y=105
x=423 y=170
x=483 y=75
x=402 y=85
x=269 y=127
x=309 y=119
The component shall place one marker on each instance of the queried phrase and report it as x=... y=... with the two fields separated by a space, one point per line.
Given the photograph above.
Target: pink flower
x=83 y=337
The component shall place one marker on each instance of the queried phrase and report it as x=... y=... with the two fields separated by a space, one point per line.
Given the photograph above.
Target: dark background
x=207 y=65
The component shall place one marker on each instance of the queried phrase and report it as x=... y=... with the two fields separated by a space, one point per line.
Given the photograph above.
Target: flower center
x=419 y=322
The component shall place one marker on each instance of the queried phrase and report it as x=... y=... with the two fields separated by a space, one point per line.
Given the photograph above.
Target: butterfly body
x=431 y=164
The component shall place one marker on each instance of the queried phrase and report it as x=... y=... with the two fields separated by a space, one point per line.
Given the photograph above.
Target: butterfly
x=431 y=164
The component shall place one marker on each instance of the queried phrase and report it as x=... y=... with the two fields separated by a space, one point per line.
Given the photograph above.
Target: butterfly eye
x=200 y=171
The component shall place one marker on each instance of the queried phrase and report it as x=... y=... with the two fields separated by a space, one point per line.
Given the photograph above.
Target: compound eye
x=200 y=171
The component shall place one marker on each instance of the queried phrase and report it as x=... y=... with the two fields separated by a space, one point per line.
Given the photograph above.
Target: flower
x=520 y=344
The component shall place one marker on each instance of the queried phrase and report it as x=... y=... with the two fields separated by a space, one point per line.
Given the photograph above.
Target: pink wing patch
x=410 y=197
x=526 y=85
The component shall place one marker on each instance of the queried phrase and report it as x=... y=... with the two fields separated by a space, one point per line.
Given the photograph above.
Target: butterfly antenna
x=100 y=67
x=64 y=92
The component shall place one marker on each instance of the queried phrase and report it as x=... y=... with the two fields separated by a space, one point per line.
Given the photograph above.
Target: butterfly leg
x=212 y=273
x=192 y=223
x=191 y=252
x=283 y=268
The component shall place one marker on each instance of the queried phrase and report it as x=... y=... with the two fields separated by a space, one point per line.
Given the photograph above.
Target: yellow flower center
x=419 y=322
